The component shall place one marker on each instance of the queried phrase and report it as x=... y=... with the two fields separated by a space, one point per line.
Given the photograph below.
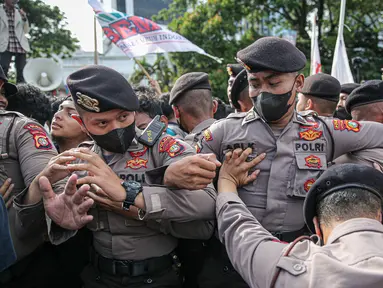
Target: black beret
x=9 y=88
x=271 y=53
x=348 y=88
x=187 y=82
x=97 y=88
x=240 y=83
x=337 y=178
x=234 y=69
x=369 y=92
x=323 y=86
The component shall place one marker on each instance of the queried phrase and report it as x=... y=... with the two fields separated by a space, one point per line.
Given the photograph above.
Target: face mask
x=342 y=114
x=272 y=107
x=117 y=140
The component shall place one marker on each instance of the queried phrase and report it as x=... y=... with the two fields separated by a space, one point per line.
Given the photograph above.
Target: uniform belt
x=291 y=235
x=132 y=268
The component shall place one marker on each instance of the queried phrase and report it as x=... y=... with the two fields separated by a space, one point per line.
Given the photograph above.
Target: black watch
x=132 y=189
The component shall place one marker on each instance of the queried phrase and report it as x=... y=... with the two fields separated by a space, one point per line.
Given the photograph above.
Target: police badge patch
x=136 y=163
x=349 y=125
x=310 y=134
x=171 y=146
x=308 y=184
x=40 y=138
x=207 y=135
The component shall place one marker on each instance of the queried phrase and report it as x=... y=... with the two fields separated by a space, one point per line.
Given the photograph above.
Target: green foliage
x=222 y=27
x=48 y=33
x=160 y=71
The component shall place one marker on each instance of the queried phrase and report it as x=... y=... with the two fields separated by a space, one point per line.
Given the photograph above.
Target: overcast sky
x=80 y=21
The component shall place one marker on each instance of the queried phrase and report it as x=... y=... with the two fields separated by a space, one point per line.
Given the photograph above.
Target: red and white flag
x=316 y=66
x=340 y=66
x=137 y=36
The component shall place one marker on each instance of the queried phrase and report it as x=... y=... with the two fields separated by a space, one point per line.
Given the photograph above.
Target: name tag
x=314 y=146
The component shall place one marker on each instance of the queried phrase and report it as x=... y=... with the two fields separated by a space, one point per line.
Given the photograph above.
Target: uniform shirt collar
x=354 y=225
x=203 y=125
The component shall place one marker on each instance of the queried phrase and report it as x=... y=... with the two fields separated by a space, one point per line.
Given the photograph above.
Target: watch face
x=134 y=185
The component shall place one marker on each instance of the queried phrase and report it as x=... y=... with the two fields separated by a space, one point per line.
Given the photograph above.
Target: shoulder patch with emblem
x=207 y=135
x=349 y=125
x=171 y=146
x=40 y=138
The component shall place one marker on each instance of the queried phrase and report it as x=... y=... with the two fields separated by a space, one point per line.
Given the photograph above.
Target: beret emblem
x=87 y=102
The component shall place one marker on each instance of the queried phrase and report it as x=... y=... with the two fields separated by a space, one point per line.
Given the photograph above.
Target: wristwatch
x=132 y=189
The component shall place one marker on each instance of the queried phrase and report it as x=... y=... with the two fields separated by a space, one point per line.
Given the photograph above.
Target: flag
x=316 y=66
x=340 y=65
x=137 y=36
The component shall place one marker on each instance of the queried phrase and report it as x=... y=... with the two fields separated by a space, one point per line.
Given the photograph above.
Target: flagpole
x=313 y=35
x=147 y=75
x=95 y=40
x=341 y=18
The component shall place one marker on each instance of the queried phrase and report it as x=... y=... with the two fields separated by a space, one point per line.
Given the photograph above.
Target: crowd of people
x=117 y=186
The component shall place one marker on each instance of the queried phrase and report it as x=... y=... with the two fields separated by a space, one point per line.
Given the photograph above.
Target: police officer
x=298 y=147
x=6 y=90
x=232 y=70
x=345 y=91
x=239 y=94
x=344 y=209
x=193 y=105
x=320 y=93
x=137 y=219
x=365 y=103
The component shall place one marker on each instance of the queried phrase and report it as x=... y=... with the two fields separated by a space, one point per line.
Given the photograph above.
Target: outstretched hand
x=68 y=209
x=235 y=169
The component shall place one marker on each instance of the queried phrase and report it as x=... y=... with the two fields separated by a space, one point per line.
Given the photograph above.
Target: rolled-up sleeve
x=252 y=250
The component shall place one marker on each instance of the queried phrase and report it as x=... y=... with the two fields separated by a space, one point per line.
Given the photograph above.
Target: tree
x=48 y=34
x=160 y=71
x=223 y=27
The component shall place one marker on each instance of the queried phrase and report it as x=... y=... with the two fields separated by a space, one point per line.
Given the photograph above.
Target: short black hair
x=149 y=103
x=197 y=103
x=347 y=204
x=223 y=110
x=32 y=102
x=165 y=106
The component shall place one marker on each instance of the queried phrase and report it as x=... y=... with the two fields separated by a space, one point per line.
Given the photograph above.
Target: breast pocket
x=308 y=167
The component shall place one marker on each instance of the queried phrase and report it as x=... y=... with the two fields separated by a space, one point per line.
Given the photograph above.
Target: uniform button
x=149 y=281
x=225 y=268
x=175 y=257
x=298 y=267
x=98 y=278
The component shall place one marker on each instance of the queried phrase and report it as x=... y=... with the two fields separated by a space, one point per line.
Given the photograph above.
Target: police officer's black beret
x=348 y=88
x=240 y=83
x=187 y=82
x=337 y=178
x=234 y=69
x=271 y=53
x=97 y=88
x=323 y=86
x=9 y=88
x=370 y=92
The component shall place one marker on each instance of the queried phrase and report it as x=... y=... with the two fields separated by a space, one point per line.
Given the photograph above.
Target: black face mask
x=342 y=114
x=272 y=107
x=117 y=140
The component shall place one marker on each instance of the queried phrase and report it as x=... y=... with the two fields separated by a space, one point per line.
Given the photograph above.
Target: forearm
x=247 y=243
x=33 y=195
x=177 y=205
